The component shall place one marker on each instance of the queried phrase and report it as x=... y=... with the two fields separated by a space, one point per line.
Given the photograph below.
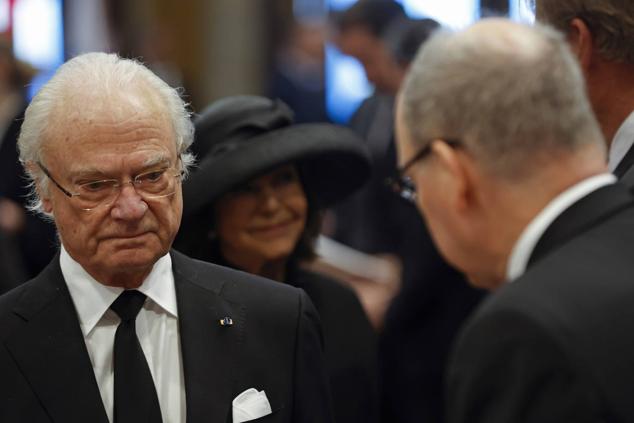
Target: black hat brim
x=333 y=162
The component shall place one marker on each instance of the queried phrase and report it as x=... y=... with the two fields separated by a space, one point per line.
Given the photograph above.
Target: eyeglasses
x=402 y=184
x=153 y=184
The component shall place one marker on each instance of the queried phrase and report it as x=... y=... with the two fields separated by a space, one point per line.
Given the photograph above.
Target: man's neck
x=127 y=280
x=524 y=204
x=611 y=90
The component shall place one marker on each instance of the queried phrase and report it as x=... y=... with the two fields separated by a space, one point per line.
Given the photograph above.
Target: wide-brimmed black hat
x=240 y=137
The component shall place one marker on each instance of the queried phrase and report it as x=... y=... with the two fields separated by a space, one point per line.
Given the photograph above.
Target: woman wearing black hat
x=254 y=204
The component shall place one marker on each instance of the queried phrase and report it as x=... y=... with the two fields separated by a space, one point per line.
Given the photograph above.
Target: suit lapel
x=209 y=349
x=582 y=216
x=51 y=353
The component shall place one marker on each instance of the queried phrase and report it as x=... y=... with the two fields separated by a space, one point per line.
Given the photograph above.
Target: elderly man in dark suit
x=601 y=35
x=500 y=142
x=118 y=327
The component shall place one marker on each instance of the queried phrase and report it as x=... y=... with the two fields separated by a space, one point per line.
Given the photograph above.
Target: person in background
x=422 y=320
x=28 y=242
x=297 y=77
x=601 y=36
x=508 y=165
x=255 y=204
x=119 y=327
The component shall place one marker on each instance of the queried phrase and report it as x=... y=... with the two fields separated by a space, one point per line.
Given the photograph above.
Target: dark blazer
x=556 y=345
x=349 y=347
x=273 y=345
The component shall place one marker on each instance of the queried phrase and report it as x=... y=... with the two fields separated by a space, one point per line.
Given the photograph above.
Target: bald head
x=509 y=92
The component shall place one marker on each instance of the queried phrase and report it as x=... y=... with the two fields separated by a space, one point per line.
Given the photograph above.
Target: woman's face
x=262 y=220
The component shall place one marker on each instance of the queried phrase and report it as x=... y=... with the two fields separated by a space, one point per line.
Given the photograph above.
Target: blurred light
x=521 y=11
x=38 y=36
x=452 y=13
x=346 y=83
x=308 y=9
x=4 y=15
x=338 y=5
x=38 y=33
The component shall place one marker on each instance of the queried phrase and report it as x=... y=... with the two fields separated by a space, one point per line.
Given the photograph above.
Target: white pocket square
x=250 y=405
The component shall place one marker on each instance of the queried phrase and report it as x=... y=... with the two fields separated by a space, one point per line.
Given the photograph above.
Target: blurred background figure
x=27 y=243
x=255 y=204
x=298 y=73
x=601 y=34
x=423 y=318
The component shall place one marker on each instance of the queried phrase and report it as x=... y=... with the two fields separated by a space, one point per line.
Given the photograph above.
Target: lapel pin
x=226 y=321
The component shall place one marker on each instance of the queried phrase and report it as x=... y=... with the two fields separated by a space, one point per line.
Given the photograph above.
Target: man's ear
x=43 y=194
x=581 y=42
x=456 y=176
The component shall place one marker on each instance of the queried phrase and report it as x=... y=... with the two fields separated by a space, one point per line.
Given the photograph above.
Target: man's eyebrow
x=157 y=160
x=93 y=172
x=88 y=173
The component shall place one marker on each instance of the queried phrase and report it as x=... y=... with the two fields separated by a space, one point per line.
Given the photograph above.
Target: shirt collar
x=622 y=142
x=92 y=299
x=523 y=248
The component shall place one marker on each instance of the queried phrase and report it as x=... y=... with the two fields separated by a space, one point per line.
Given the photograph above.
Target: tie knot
x=128 y=304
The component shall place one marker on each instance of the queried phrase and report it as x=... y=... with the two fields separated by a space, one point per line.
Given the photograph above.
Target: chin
x=275 y=255
x=133 y=259
x=277 y=252
x=484 y=281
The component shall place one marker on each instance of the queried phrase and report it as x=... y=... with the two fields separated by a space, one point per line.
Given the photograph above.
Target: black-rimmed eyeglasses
x=402 y=184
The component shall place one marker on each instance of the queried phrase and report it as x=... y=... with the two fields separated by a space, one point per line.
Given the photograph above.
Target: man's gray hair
x=509 y=96
x=610 y=21
x=90 y=77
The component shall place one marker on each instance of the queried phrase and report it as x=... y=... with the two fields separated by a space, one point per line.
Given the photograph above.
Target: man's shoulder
x=579 y=287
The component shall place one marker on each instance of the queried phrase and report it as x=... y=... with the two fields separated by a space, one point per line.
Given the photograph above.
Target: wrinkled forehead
x=91 y=120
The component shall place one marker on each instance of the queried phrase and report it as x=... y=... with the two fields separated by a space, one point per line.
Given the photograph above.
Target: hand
x=12 y=216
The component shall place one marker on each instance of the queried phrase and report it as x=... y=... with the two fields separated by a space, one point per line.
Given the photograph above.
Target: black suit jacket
x=273 y=345
x=557 y=344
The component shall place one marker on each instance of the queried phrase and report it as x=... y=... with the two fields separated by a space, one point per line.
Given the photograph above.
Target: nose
x=129 y=205
x=269 y=200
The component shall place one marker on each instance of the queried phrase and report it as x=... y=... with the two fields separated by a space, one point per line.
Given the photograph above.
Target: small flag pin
x=226 y=321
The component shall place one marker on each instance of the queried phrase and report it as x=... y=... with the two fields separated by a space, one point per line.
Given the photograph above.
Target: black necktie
x=135 y=399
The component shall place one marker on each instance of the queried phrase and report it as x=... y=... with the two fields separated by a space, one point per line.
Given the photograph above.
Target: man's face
x=371 y=52
x=127 y=236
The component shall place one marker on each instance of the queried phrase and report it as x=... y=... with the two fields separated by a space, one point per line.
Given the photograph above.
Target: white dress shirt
x=525 y=244
x=623 y=140
x=156 y=328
